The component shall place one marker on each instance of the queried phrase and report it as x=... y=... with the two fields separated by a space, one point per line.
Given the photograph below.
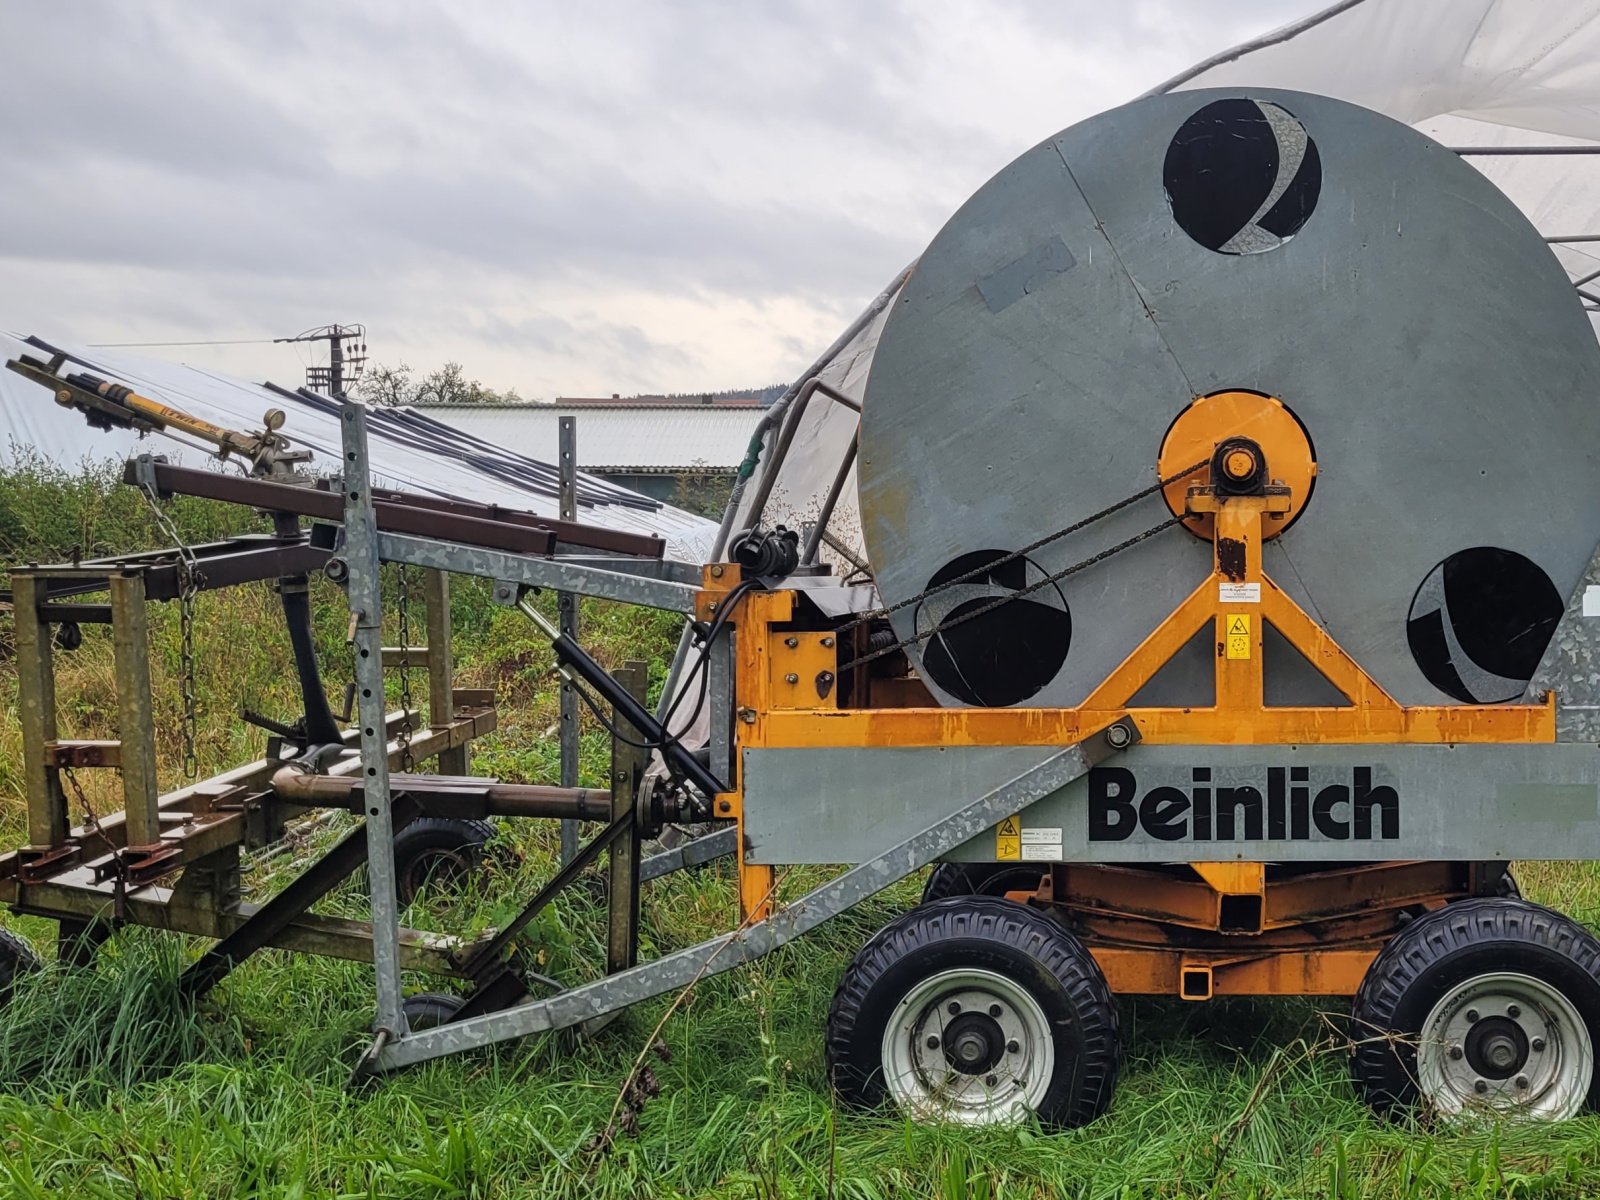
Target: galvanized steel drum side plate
x=1272 y=241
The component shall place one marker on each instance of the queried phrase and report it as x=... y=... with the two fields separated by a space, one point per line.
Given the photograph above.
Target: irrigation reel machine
x=1228 y=471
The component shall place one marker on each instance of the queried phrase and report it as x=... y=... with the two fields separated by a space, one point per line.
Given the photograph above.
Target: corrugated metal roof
x=614 y=438
x=408 y=451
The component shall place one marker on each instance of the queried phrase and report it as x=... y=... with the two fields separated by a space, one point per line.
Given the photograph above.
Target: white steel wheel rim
x=990 y=1060
x=1505 y=1044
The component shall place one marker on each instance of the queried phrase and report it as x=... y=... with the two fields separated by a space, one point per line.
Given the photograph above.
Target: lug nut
x=1513 y=1011
x=1472 y=1015
x=1455 y=1053
x=990 y=1080
x=995 y=1010
x=1537 y=1044
x=1013 y=1046
x=933 y=1043
x=1480 y=1087
x=1522 y=1081
x=953 y=1007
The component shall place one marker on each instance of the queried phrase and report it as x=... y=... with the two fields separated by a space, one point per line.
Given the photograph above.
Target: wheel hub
x=968 y=1045
x=974 y=1043
x=1496 y=1047
x=1506 y=1042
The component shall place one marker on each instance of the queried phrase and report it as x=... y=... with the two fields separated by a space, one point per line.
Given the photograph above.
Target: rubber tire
x=980 y=879
x=429 y=836
x=16 y=959
x=1437 y=951
x=429 y=1010
x=1010 y=939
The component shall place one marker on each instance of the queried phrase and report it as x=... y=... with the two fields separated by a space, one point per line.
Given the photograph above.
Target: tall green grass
x=110 y=1086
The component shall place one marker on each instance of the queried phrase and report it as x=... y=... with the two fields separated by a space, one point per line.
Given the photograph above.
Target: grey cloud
x=449 y=172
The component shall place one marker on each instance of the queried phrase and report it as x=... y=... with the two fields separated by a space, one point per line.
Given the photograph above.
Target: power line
x=224 y=342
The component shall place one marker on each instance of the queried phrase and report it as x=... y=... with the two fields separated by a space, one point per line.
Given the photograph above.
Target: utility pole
x=342 y=360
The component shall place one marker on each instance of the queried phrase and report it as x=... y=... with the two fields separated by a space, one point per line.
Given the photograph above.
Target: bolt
x=1472 y=1015
x=1538 y=1045
x=827 y=643
x=990 y=1080
x=1481 y=1086
x=791 y=642
x=791 y=677
x=994 y=1011
x=1455 y=1053
x=1118 y=736
x=747 y=715
x=954 y=1007
x=1522 y=1081
x=933 y=1043
x=716 y=571
x=1513 y=1011
x=724 y=806
x=1013 y=1046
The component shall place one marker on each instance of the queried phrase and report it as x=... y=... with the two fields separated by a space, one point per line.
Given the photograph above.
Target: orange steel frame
x=1160 y=958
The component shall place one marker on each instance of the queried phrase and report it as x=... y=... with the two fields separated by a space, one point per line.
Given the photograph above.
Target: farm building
x=660 y=446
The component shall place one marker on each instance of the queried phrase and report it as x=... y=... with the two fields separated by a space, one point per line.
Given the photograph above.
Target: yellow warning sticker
x=1008 y=839
x=1238 y=635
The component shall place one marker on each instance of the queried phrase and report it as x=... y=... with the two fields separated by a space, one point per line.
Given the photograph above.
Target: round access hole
x=1242 y=176
x=1479 y=624
x=1008 y=652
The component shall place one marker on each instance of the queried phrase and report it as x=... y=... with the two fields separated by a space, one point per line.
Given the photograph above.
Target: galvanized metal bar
x=830 y=502
x=719 y=702
x=36 y=702
x=555 y=573
x=723 y=953
x=771 y=418
x=130 y=650
x=670 y=569
x=441 y=663
x=693 y=853
x=361 y=554
x=1485 y=151
x=627 y=768
x=567 y=611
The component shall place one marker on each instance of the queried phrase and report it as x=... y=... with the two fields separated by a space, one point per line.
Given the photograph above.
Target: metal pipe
x=814 y=542
x=780 y=452
x=771 y=417
x=499 y=799
x=1274 y=38
x=1565 y=238
x=1487 y=150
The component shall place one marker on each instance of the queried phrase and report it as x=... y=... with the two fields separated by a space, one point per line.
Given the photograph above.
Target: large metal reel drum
x=1241 y=241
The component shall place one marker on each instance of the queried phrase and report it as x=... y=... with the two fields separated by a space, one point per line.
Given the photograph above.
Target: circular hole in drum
x=1480 y=622
x=1242 y=176
x=1010 y=650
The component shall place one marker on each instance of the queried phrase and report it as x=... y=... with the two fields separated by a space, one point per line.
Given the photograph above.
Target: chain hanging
x=119 y=899
x=987 y=568
x=406 y=723
x=189 y=580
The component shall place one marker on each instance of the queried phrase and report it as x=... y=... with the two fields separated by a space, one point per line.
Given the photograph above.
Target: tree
x=386 y=387
x=392 y=387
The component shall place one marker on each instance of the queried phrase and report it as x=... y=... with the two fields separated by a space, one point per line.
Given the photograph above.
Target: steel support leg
x=567 y=611
x=627 y=768
x=366 y=609
x=442 y=669
x=36 y=702
x=130 y=648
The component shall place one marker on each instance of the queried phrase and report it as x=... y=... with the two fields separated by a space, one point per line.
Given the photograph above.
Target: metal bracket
x=730 y=950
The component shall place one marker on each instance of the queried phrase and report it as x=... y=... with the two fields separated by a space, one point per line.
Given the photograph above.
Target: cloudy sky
x=568 y=198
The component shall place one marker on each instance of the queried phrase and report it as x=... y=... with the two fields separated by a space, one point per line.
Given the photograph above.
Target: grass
x=110 y=1087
